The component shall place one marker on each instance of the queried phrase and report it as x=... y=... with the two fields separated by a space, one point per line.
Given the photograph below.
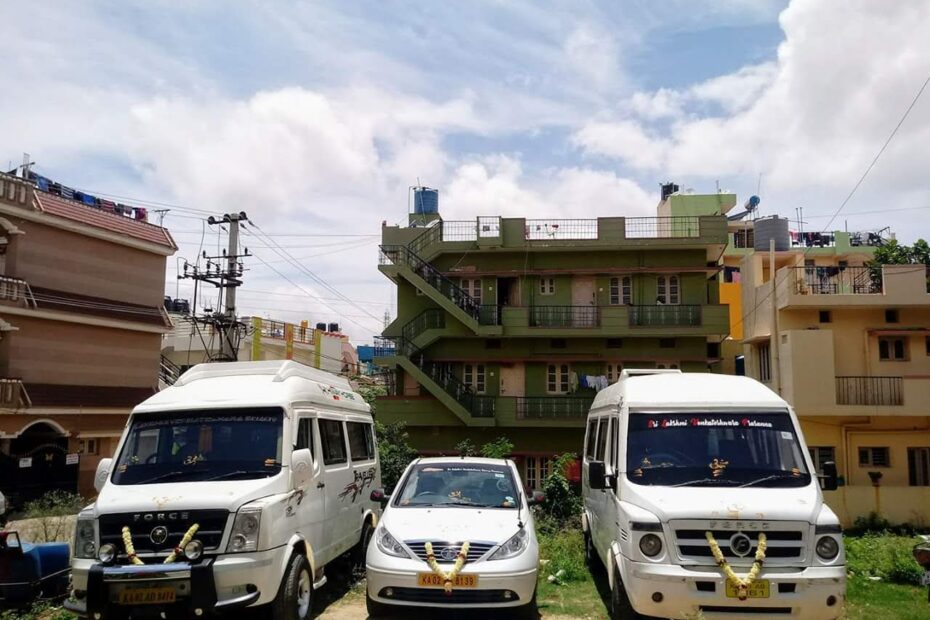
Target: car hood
x=453 y=524
x=220 y=494
x=668 y=503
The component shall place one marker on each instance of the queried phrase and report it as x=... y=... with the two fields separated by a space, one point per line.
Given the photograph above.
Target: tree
x=370 y=393
x=500 y=448
x=894 y=253
x=394 y=452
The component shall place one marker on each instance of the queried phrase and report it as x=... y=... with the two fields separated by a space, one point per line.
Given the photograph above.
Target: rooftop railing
x=538 y=230
x=686 y=227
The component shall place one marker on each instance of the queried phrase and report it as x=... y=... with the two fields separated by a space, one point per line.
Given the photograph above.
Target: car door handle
x=320 y=485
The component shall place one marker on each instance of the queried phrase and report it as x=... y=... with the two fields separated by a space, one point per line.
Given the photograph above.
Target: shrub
x=563 y=550
x=500 y=448
x=874 y=523
x=53 y=515
x=394 y=452
x=563 y=502
x=885 y=556
x=466 y=448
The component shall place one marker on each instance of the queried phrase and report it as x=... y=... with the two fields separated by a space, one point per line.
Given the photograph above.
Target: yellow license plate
x=432 y=580
x=147 y=596
x=758 y=589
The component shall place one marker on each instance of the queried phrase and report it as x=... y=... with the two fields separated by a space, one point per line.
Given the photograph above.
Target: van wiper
x=242 y=472
x=778 y=476
x=170 y=474
x=704 y=481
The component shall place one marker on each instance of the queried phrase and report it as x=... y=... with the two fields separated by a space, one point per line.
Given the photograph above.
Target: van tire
x=361 y=550
x=295 y=596
x=620 y=606
x=376 y=609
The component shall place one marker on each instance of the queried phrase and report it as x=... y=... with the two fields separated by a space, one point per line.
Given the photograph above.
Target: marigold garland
x=741 y=584
x=131 y=550
x=448 y=579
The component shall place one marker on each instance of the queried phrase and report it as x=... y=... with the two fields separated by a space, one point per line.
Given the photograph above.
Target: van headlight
x=244 y=535
x=650 y=545
x=513 y=547
x=389 y=545
x=85 y=539
x=827 y=548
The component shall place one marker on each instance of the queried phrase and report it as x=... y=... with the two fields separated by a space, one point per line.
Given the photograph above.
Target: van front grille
x=785 y=541
x=211 y=524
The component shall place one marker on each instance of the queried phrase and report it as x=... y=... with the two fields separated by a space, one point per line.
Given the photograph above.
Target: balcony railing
x=873 y=391
x=277 y=330
x=544 y=407
x=16 y=290
x=13 y=394
x=665 y=315
x=838 y=280
x=431 y=318
x=663 y=227
x=564 y=316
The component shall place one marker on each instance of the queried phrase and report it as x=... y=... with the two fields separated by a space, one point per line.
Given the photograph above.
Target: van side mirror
x=301 y=468
x=597 y=478
x=537 y=498
x=103 y=472
x=378 y=495
x=828 y=481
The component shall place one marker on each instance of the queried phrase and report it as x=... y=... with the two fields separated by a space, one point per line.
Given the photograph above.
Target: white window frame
x=535 y=471
x=475 y=377
x=892 y=355
x=89 y=446
x=668 y=289
x=621 y=290
x=547 y=286
x=472 y=286
x=613 y=371
x=557 y=378
x=820 y=455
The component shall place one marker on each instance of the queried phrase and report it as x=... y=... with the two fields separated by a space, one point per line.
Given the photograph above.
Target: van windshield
x=458 y=484
x=715 y=449
x=189 y=446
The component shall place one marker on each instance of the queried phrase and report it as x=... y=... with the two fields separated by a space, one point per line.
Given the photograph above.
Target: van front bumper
x=812 y=593
x=211 y=586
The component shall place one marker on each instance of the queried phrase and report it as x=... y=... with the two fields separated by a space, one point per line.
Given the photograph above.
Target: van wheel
x=295 y=597
x=620 y=606
x=359 y=553
x=376 y=609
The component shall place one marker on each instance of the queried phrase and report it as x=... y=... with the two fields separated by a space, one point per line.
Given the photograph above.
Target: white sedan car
x=457 y=533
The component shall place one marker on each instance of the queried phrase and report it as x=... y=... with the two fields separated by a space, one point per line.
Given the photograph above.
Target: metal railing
x=542 y=407
x=277 y=330
x=683 y=227
x=875 y=391
x=168 y=371
x=13 y=394
x=565 y=316
x=838 y=280
x=537 y=230
x=432 y=234
x=399 y=254
x=384 y=347
x=670 y=315
x=489 y=226
x=16 y=290
x=431 y=318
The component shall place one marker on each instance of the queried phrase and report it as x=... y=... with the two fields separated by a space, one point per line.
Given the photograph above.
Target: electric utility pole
x=225 y=273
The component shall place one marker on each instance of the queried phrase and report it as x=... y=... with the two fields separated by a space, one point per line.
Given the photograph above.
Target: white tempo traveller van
x=700 y=496
x=233 y=488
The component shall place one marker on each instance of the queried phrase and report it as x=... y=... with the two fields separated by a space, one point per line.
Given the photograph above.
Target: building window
x=88 y=446
x=613 y=371
x=547 y=286
x=667 y=290
x=536 y=471
x=918 y=467
x=822 y=454
x=621 y=291
x=764 y=357
x=557 y=379
x=474 y=377
x=825 y=316
x=892 y=349
x=874 y=457
x=617 y=343
x=473 y=288
x=891 y=316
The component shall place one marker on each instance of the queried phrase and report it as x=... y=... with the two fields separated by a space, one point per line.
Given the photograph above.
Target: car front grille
x=785 y=541
x=211 y=524
x=476 y=549
x=458 y=596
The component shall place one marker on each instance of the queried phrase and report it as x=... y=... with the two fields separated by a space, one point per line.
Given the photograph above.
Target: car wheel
x=376 y=609
x=620 y=606
x=358 y=556
x=295 y=596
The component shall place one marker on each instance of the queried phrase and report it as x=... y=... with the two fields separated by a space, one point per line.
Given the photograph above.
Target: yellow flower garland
x=742 y=584
x=448 y=579
x=131 y=550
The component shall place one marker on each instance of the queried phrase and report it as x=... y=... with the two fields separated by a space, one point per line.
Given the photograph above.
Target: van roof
x=252 y=384
x=688 y=390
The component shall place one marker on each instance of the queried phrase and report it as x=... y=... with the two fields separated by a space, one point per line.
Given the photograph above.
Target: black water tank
x=321 y=327
x=334 y=327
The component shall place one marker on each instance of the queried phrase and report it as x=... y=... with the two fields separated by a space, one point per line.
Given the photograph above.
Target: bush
x=466 y=448
x=500 y=448
x=874 y=523
x=53 y=516
x=563 y=550
x=394 y=452
x=885 y=556
x=563 y=501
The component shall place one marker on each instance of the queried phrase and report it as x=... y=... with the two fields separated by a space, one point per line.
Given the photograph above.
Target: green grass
x=877 y=600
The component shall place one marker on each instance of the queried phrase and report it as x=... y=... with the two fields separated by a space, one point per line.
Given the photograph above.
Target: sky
x=316 y=117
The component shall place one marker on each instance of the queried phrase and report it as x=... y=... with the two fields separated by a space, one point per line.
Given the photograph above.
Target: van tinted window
x=334 y=443
x=305 y=436
x=592 y=434
x=601 y=439
x=361 y=445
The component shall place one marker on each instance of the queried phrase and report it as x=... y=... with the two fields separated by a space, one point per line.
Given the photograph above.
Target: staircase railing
x=431 y=318
x=168 y=371
x=399 y=254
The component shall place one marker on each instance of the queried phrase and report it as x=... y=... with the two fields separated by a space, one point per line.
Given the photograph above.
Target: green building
x=509 y=326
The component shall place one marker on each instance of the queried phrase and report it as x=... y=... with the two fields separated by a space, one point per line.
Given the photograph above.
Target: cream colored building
x=849 y=348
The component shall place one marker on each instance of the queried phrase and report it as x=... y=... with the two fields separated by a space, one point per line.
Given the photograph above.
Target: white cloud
x=625 y=140
x=592 y=52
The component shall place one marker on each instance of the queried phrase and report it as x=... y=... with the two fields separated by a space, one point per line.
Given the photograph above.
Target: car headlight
x=827 y=547
x=244 y=535
x=513 y=547
x=85 y=539
x=389 y=545
x=650 y=545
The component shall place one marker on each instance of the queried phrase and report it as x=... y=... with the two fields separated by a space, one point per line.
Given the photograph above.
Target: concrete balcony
x=508 y=411
x=615 y=321
x=851 y=287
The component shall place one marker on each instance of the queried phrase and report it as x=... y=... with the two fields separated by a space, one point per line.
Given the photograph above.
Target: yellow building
x=849 y=347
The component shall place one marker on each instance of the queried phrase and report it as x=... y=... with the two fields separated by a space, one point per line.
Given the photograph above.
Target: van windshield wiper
x=778 y=476
x=242 y=472
x=704 y=481
x=165 y=476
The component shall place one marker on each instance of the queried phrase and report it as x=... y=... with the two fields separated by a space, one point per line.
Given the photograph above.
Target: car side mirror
x=103 y=472
x=537 y=498
x=301 y=468
x=597 y=477
x=829 y=481
x=378 y=495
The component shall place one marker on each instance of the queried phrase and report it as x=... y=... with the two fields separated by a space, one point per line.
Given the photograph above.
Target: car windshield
x=458 y=484
x=715 y=449
x=188 y=446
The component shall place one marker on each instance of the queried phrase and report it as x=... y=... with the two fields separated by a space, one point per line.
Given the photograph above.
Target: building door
x=584 y=312
x=37 y=464
x=513 y=380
